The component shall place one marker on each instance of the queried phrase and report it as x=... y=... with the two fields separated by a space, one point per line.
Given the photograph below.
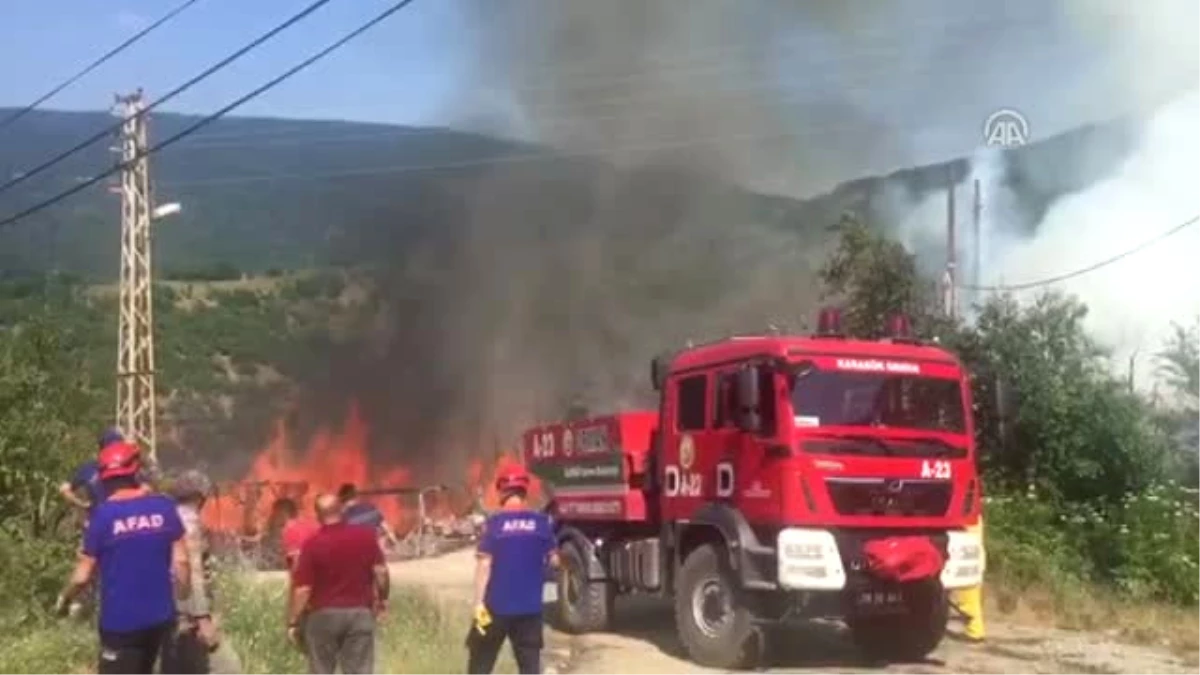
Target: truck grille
x=889 y=497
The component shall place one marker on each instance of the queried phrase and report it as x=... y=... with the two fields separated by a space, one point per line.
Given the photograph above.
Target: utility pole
x=136 y=406
x=977 y=242
x=951 y=255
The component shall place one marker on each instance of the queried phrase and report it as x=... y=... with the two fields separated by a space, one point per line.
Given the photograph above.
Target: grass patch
x=419 y=635
x=66 y=647
x=1079 y=605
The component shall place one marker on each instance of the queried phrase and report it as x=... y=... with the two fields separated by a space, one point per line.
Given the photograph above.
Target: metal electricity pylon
x=136 y=406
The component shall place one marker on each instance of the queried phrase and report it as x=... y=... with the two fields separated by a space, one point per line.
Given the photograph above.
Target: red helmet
x=119 y=459
x=512 y=478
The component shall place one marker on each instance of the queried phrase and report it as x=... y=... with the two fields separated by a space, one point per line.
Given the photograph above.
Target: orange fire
x=330 y=459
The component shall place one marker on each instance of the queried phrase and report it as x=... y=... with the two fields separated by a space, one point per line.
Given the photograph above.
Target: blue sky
x=401 y=71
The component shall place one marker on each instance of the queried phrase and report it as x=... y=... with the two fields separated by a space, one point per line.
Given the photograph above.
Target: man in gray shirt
x=196 y=646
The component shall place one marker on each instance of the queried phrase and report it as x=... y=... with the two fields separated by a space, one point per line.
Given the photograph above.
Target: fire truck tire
x=584 y=606
x=712 y=617
x=908 y=637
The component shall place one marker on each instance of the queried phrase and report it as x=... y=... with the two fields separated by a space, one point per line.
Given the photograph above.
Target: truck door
x=728 y=439
x=756 y=485
x=688 y=450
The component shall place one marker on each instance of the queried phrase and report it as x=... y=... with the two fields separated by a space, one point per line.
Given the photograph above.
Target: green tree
x=873 y=278
x=49 y=413
x=1178 y=367
x=1051 y=415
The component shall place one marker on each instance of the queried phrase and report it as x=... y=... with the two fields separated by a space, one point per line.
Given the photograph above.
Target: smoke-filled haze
x=1155 y=67
x=541 y=282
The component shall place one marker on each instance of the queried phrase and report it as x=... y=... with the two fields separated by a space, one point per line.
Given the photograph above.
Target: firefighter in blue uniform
x=510 y=574
x=135 y=545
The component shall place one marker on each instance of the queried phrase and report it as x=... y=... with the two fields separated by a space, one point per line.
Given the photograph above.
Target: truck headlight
x=809 y=560
x=965 y=560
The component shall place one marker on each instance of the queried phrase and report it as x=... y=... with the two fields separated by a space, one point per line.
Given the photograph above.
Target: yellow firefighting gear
x=969 y=601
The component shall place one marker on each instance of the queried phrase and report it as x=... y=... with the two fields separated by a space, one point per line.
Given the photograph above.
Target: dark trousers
x=340 y=636
x=523 y=632
x=132 y=651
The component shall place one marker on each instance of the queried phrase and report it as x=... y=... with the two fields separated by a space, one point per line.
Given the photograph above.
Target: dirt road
x=646 y=643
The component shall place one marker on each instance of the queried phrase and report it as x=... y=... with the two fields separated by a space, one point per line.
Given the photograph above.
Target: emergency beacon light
x=829 y=322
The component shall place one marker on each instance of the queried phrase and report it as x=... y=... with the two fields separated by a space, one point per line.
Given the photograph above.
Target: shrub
x=1145 y=547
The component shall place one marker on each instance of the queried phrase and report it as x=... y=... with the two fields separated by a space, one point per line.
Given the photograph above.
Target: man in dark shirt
x=341 y=583
x=510 y=575
x=135 y=542
x=357 y=512
x=85 y=489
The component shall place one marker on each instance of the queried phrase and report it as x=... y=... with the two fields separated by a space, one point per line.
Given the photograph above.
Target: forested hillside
x=263 y=194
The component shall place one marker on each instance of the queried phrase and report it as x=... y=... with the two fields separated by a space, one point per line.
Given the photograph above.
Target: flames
x=333 y=457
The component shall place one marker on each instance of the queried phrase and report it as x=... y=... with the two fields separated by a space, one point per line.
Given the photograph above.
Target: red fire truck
x=782 y=478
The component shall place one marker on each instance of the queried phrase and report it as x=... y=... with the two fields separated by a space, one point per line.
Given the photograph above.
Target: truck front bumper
x=809 y=559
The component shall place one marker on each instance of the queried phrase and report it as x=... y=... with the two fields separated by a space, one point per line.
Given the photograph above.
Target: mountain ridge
x=263 y=193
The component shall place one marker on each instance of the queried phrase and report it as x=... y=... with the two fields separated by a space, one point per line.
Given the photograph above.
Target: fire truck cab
x=782 y=478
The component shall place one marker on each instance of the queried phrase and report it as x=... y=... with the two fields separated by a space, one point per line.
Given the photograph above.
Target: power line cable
x=212 y=117
x=1090 y=268
x=18 y=114
x=172 y=94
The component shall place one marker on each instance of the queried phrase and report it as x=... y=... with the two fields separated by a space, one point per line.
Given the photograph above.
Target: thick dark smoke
x=507 y=295
x=509 y=292
x=794 y=97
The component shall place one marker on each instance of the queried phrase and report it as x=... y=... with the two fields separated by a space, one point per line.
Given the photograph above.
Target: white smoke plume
x=1132 y=302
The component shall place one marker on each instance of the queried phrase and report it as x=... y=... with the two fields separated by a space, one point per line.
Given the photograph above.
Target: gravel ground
x=645 y=640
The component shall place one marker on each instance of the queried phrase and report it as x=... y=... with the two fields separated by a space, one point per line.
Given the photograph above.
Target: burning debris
x=437 y=527
x=247 y=516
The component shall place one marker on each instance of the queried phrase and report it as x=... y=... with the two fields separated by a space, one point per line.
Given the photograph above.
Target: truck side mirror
x=749 y=417
x=658 y=371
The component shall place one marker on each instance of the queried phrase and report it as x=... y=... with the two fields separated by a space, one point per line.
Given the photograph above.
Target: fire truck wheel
x=712 y=616
x=908 y=637
x=583 y=606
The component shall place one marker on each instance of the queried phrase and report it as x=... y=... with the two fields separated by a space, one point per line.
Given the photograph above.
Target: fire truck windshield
x=872 y=399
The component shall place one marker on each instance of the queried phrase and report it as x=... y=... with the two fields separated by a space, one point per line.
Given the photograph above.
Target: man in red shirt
x=339 y=585
x=296 y=531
